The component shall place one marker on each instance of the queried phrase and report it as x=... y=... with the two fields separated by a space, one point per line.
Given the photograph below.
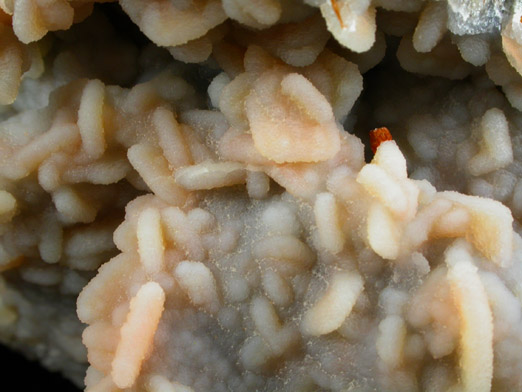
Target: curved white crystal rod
x=137 y=334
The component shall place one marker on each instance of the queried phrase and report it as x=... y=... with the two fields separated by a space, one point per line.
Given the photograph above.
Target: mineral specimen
x=190 y=207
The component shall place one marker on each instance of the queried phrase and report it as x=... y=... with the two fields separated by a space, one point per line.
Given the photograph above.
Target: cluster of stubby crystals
x=190 y=209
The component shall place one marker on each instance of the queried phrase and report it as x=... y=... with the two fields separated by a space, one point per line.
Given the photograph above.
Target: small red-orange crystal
x=337 y=11
x=377 y=136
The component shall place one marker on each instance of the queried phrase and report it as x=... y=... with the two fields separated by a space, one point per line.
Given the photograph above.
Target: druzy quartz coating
x=186 y=203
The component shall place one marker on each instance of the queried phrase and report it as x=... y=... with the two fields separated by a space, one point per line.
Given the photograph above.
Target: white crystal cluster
x=189 y=207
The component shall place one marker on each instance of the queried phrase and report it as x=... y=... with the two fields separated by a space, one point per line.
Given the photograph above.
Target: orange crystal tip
x=377 y=136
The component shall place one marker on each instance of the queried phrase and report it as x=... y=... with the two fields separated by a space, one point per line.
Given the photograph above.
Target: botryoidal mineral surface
x=187 y=204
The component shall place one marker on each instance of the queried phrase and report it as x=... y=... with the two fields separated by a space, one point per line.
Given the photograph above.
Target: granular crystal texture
x=269 y=195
